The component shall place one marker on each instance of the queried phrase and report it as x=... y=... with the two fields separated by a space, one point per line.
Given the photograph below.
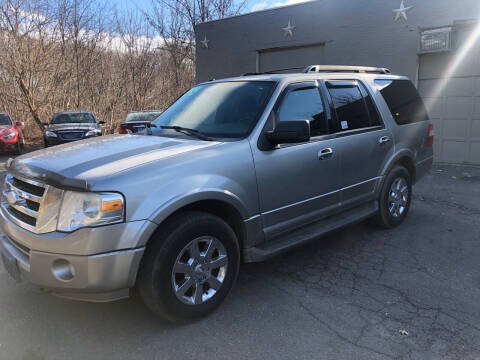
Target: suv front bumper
x=101 y=277
x=67 y=268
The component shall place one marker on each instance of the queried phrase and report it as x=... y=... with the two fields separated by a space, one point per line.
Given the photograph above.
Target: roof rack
x=345 y=68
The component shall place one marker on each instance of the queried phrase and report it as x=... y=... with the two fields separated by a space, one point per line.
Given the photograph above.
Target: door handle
x=325 y=154
x=384 y=140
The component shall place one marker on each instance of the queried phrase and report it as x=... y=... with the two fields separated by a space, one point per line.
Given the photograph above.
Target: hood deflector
x=48 y=177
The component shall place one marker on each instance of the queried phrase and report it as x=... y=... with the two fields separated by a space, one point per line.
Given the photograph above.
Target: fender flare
x=180 y=201
x=394 y=160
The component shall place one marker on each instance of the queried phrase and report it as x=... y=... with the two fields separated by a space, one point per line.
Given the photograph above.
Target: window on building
x=403 y=100
x=349 y=105
x=305 y=104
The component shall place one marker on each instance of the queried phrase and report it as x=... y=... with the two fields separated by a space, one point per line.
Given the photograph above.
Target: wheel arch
x=225 y=205
x=403 y=157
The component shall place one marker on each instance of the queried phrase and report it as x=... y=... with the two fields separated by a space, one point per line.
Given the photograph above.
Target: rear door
x=364 y=140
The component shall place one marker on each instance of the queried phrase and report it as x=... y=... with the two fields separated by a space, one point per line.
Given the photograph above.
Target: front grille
x=70 y=135
x=22 y=200
x=30 y=220
x=28 y=187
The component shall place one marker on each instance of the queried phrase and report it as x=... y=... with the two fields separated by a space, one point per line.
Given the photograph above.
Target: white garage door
x=454 y=106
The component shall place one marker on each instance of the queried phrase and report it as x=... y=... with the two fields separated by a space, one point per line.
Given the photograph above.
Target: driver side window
x=305 y=104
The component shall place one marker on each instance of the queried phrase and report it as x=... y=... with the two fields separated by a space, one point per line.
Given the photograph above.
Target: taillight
x=122 y=130
x=430 y=135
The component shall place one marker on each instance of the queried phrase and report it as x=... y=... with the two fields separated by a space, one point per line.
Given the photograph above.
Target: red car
x=137 y=121
x=11 y=134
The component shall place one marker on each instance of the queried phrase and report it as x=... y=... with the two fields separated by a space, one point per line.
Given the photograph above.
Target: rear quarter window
x=403 y=100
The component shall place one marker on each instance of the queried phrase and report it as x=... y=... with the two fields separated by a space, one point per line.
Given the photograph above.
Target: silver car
x=236 y=170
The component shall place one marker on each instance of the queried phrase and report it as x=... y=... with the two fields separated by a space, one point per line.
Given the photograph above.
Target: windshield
x=80 y=118
x=226 y=109
x=5 y=120
x=142 y=116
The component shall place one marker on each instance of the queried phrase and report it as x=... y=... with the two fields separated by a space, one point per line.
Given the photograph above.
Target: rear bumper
x=99 y=278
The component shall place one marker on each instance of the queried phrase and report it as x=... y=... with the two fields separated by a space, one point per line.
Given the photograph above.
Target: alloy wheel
x=398 y=197
x=199 y=270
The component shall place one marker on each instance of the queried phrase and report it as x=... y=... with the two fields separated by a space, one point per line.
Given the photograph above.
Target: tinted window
x=73 y=118
x=349 y=106
x=305 y=104
x=223 y=109
x=5 y=120
x=403 y=100
x=372 y=110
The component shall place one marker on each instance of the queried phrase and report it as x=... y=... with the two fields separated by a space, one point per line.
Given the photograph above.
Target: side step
x=309 y=233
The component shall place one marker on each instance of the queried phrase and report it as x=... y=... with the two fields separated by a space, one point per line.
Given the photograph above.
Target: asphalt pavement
x=359 y=293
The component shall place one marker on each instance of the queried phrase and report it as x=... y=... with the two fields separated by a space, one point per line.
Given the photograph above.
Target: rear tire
x=395 y=198
x=180 y=279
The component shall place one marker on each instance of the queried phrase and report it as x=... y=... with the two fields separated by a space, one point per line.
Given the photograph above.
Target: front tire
x=190 y=265
x=395 y=198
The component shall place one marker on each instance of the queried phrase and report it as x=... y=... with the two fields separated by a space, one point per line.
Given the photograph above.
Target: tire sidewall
x=163 y=298
x=388 y=219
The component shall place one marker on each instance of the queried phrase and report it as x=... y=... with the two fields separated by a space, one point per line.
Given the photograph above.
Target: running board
x=311 y=232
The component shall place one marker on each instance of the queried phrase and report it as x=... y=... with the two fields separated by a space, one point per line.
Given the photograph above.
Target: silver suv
x=235 y=170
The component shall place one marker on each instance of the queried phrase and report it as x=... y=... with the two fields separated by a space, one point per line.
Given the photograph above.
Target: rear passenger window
x=305 y=104
x=351 y=105
x=403 y=100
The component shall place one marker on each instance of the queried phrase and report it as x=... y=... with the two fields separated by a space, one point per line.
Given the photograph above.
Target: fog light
x=63 y=270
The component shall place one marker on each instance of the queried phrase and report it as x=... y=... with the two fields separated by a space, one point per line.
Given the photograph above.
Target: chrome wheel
x=398 y=197
x=199 y=270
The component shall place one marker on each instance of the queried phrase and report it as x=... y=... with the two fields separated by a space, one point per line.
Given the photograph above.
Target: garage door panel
x=427 y=88
x=474 y=156
x=434 y=107
x=477 y=86
x=459 y=107
x=454 y=151
x=475 y=132
x=476 y=111
x=455 y=129
x=460 y=87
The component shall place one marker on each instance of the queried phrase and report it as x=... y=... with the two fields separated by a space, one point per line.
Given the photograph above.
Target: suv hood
x=76 y=165
x=72 y=126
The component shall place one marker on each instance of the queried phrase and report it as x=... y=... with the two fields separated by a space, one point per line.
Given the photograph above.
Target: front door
x=298 y=183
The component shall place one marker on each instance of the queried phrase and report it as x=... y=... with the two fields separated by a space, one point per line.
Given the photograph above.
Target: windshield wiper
x=188 y=131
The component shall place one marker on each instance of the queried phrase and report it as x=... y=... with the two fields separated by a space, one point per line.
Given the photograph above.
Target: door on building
x=453 y=105
x=289 y=57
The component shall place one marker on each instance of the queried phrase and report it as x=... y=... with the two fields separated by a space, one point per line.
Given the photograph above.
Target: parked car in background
x=11 y=134
x=237 y=169
x=138 y=120
x=67 y=126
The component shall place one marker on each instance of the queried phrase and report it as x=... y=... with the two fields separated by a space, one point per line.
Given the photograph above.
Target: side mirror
x=101 y=122
x=45 y=123
x=19 y=123
x=295 y=131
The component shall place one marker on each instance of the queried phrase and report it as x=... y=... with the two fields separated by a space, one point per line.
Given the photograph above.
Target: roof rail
x=345 y=68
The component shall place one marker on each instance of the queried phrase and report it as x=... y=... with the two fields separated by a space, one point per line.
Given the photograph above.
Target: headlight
x=81 y=209
x=92 y=133
x=9 y=136
x=50 y=134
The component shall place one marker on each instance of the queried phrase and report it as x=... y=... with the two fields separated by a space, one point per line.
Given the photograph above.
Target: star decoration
x=205 y=42
x=402 y=11
x=289 y=29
